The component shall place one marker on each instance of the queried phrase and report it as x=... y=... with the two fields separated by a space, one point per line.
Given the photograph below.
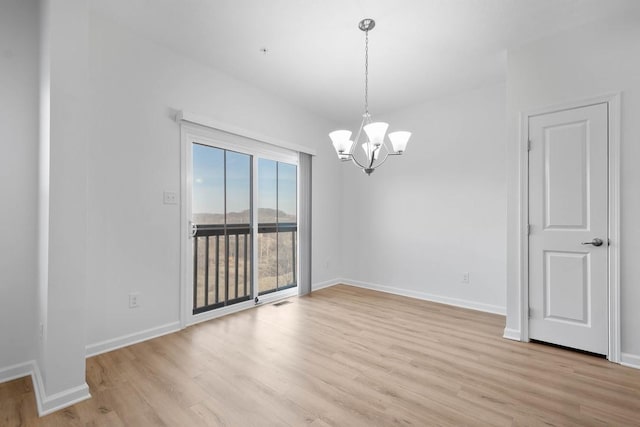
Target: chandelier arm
x=356 y=162
x=373 y=158
x=386 y=156
x=390 y=152
x=356 y=141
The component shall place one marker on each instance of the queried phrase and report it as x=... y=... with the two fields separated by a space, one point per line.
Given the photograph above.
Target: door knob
x=594 y=242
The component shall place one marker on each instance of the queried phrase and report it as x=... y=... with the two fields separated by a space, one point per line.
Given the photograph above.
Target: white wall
x=421 y=220
x=134 y=155
x=592 y=60
x=18 y=179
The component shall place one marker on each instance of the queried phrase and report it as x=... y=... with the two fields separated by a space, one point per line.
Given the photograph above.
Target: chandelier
x=375 y=151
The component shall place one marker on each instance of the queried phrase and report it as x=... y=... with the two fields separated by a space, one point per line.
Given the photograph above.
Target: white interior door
x=568 y=288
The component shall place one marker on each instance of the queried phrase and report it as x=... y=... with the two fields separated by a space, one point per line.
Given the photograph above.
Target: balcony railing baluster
x=206 y=271
x=226 y=267
x=293 y=253
x=195 y=272
x=217 y=292
x=237 y=239
x=245 y=264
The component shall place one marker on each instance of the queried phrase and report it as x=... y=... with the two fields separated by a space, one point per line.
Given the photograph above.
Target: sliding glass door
x=225 y=187
x=222 y=227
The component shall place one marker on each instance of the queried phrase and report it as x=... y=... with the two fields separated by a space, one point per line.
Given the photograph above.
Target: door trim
x=613 y=104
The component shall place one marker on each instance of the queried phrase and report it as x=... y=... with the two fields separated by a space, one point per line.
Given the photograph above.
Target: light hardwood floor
x=343 y=357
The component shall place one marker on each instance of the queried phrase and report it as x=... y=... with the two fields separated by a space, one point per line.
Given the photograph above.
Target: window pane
x=267 y=215
x=287 y=214
x=238 y=188
x=208 y=185
x=208 y=209
x=267 y=191
x=238 y=212
x=287 y=192
x=286 y=258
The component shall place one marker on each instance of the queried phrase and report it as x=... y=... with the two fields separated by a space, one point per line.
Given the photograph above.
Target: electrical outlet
x=170 y=198
x=465 y=277
x=134 y=300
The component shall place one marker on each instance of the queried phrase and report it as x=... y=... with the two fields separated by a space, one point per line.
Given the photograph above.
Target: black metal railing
x=281 y=227
x=222 y=258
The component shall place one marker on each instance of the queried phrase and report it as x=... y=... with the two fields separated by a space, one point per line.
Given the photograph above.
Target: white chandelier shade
x=341 y=142
x=399 y=140
x=375 y=131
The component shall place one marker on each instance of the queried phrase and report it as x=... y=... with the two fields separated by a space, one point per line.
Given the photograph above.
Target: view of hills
x=265 y=215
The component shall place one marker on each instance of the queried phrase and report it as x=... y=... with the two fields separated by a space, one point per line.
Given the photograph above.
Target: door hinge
x=529 y=145
x=528 y=229
x=529 y=312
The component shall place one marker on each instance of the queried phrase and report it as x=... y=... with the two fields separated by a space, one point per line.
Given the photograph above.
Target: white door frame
x=197 y=128
x=613 y=103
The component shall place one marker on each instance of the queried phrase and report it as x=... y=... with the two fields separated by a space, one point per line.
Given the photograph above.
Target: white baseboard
x=326 y=284
x=13 y=372
x=137 y=337
x=473 y=305
x=45 y=404
x=134 y=338
x=630 y=360
x=48 y=404
x=512 y=334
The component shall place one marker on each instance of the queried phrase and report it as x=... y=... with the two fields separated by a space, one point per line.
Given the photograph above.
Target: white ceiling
x=419 y=50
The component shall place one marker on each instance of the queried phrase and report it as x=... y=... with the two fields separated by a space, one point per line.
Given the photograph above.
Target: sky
x=277 y=182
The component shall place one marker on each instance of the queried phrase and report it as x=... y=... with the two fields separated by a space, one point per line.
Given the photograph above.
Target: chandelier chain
x=366 y=73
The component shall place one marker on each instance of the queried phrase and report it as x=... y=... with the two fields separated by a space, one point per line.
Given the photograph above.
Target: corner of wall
x=325 y=284
x=512 y=334
x=48 y=404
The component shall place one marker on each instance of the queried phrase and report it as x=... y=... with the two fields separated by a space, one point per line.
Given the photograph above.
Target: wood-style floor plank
x=343 y=357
